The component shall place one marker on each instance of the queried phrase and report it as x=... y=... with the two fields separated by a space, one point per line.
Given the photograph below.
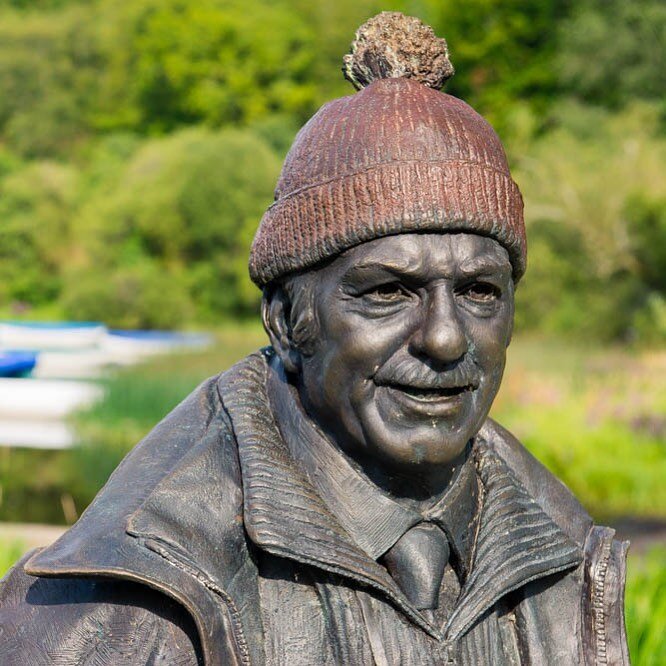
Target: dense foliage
x=140 y=143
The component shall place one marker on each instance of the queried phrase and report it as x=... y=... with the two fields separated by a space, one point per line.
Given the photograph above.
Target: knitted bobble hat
x=399 y=156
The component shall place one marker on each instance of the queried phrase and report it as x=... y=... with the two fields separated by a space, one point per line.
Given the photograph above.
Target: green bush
x=139 y=296
x=36 y=205
x=165 y=238
x=48 y=63
x=594 y=193
x=612 y=52
x=109 y=202
x=646 y=223
x=170 y=63
x=594 y=417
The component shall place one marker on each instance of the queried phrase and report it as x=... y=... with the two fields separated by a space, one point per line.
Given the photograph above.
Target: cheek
x=336 y=369
x=489 y=339
x=360 y=346
x=353 y=348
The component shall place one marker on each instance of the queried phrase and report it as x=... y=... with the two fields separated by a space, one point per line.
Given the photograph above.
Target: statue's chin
x=418 y=444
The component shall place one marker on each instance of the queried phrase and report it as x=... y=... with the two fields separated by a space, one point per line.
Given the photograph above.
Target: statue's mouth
x=432 y=394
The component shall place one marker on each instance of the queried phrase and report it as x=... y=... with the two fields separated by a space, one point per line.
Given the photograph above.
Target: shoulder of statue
x=550 y=493
x=191 y=452
x=77 y=619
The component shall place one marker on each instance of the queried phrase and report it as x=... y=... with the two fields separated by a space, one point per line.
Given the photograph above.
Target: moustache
x=417 y=374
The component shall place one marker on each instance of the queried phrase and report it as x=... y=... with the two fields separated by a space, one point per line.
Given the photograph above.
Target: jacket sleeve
x=604 y=634
x=76 y=621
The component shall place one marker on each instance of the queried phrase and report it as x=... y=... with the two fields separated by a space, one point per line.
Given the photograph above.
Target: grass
x=137 y=398
x=596 y=418
x=42 y=486
x=9 y=554
x=645 y=608
x=33 y=485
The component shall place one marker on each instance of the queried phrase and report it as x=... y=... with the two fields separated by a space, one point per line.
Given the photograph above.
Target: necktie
x=417 y=562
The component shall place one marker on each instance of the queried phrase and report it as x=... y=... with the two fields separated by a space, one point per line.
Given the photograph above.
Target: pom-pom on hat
x=399 y=156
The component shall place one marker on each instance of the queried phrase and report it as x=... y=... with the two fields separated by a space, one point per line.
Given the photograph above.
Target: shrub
x=612 y=52
x=166 y=238
x=170 y=63
x=593 y=188
x=36 y=205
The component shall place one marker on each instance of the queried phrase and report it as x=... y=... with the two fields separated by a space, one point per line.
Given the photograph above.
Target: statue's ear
x=275 y=309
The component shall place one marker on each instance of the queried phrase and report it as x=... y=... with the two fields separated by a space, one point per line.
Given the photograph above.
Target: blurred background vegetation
x=140 y=143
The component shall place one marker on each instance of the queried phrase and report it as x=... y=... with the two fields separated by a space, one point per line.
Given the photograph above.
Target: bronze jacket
x=163 y=565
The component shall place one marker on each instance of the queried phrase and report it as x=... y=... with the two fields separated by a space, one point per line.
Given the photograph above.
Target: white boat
x=44 y=399
x=83 y=364
x=44 y=336
x=146 y=343
x=36 y=435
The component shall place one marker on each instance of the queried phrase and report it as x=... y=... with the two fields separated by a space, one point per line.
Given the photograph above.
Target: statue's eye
x=481 y=292
x=386 y=293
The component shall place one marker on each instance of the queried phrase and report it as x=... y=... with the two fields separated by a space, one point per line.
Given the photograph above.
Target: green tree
x=173 y=225
x=592 y=188
x=48 y=63
x=613 y=52
x=646 y=221
x=36 y=205
x=503 y=51
x=171 y=63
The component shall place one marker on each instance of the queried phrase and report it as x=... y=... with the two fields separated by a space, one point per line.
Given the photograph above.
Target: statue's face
x=411 y=348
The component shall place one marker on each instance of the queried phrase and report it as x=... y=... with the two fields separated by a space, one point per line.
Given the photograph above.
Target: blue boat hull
x=17 y=364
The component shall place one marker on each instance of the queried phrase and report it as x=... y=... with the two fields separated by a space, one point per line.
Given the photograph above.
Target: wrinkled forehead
x=429 y=254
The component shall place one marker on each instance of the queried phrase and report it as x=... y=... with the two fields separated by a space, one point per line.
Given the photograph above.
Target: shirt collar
x=370 y=517
x=457 y=513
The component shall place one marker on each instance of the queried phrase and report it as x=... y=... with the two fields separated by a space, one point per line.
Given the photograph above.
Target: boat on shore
x=33 y=434
x=51 y=336
x=16 y=363
x=146 y=343
x=42 y=400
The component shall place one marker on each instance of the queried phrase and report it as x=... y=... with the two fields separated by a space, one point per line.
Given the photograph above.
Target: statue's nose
x=441 y=335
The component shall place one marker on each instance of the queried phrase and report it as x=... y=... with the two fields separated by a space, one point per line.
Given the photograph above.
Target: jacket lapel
x=283 y=514
x=170 y=518
x=517 y=543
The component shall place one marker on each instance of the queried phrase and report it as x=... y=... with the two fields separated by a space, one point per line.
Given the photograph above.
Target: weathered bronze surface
x=342 y=497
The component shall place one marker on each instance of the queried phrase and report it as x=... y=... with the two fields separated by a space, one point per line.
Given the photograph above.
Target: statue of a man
x=341 y=497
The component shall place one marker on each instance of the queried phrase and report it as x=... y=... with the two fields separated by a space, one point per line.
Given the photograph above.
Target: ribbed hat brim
x=315 y=223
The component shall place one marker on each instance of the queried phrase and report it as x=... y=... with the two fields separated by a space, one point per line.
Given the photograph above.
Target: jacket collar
x=372 y=518
x=170 y=517
x=517 y=541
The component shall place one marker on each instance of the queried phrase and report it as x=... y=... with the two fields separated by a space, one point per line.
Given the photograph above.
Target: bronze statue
x=341 y=497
